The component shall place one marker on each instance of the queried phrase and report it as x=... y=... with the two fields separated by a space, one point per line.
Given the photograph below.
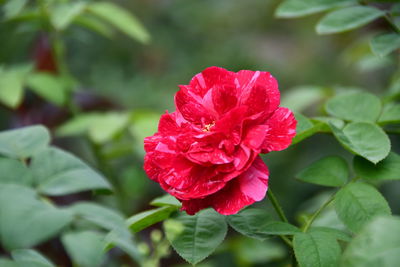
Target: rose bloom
x=206 y=153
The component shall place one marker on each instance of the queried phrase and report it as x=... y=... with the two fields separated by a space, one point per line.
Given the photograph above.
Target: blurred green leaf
x=57 y=172
x=62 y=14
x=28 y=221
x=11 y=84
x=347 y=19
x=316 y=249
x=354 y=106
x=94 y=24
x=24 y=142
x=248 y=222
x=31 y=258
x=13 y=8
x=377 y=244
x=197 y=236
x=48 y=86
x=121 y=19
x=300 y=8
x=124 y=242
x=328 y=171
x=387 y=169
x=365 y=139
x=8 y=263
x=390 y=113
x=86 y=248
x=166 y=200
x=248 y=250
x=357 y=203
x=143 y=124
x=14 y=172
x=384 y=44
x=299 y=98
x=144 y=219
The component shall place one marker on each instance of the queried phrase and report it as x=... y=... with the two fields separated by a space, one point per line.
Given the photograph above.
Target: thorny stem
x=280 y=213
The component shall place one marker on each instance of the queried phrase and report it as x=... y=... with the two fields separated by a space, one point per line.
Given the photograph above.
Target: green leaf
x=147 y=218
x=326 y=121
x=121 y=19
x=300 y=8
x=347 y=19
x=57 y=172
x=124 y=242
x=31 y=258
x=354 y=106
x=196 y=237
x=316 y=249
x=390 y=114
x=329 y=171
x=387 y=169
x=11 y=84
x=14 y=172
x=62 y=14
x=13 y=8
x=99 y=215
x=166 y=200
x=94 y=24
x=301 y=97
x=377 y=244
x=143 y=124
x=48 y=86
x=357 y=203
x=278 y=228
x=86 y=248
x=28 y=221
x=248 y=222
x=338 y=234
x=8 y=263
x=24 y=142
x=384 y=44
x=304 y=129
x=365 y=139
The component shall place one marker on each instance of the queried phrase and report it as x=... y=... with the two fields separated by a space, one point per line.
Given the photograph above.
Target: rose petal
x=282 y=129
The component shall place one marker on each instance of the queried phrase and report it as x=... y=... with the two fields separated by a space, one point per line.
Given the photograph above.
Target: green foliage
x=11 y=84
x=299 y=8
x=347 y=19
x=146 y=218
x=377 y=244
x=316 y=249
x=390 y=114
x=196 y=237
x=30 y=257
x=329 y=171
x=365 y=139
x=357 y=203
x=387 y=169
x=384 y=44
x=48 y=86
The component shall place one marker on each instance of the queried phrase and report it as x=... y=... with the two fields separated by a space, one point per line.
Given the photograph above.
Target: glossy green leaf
x=390 y=114
x=248 y=222
x=365 y=139
x=28 y=221
x=299 y=8
x=121 y=19
x=24 y=142
x=57 y=172
x=62 y=14
x=357 y=203
x=316 y=249
x=31 y=258
x=196 y=237
x=354 y=106
x=14 y=172
x=144 y=219
x=86 y=248
x=387 y=169
x=166 y=200
x=329 y=171
x=48 y=86
x=346 y=19
x=377 y=244
x=384 y=44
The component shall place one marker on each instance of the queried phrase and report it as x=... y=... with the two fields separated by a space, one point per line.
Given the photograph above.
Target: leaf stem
x=315 y=215
x=276 y=206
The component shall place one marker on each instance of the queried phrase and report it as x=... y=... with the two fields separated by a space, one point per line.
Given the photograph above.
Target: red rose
x=206 y=153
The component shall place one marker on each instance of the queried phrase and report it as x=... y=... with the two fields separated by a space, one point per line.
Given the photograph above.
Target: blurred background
x=116 y=85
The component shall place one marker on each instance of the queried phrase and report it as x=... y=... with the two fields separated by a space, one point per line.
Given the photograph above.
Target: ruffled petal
x=282 y=129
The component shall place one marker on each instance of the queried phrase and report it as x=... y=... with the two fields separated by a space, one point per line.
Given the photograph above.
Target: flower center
x=207 y=127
